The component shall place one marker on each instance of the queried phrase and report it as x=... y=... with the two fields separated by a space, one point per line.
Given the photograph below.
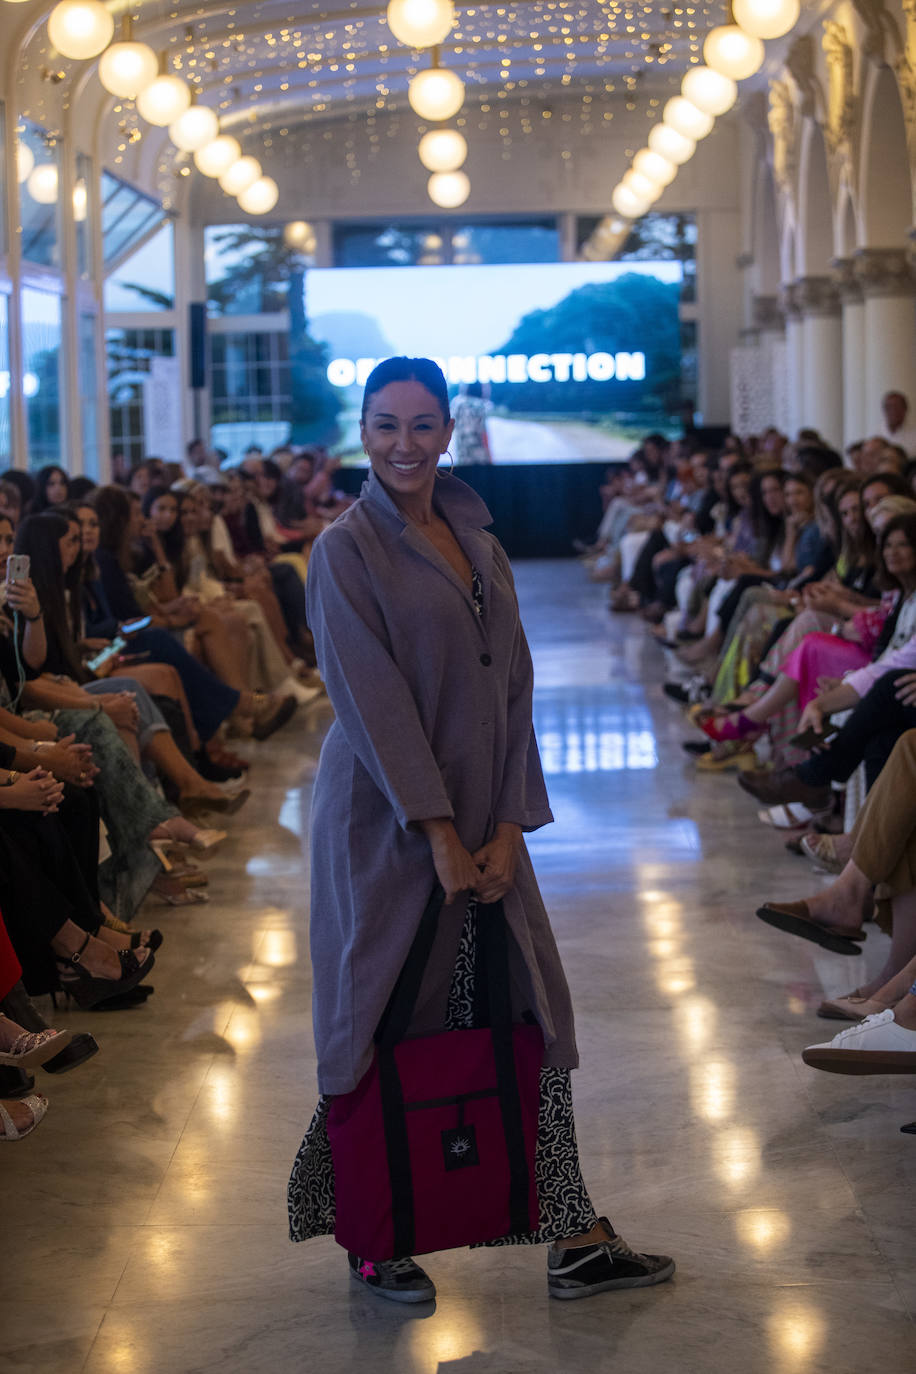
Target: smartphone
x=17 y=567
x=105 y=656
x=133 y=627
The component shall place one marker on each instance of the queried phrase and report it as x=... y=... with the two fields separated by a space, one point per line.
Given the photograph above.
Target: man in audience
x=896 y=430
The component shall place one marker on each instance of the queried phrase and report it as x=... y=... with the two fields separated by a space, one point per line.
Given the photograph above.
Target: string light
x=260 y=197
x=240 y=176
x=194 y=129
x=217 y=157
x=682 y=115
x=766 y=18
x=709 y=90
x=80 y=28
x=420 y=23
x=672 y=145
x=436 y=94
x=443 y=150
x=164 y=100
x=448 y=189
x=732 y=52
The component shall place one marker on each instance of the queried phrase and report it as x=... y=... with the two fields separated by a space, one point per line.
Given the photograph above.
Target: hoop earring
x=451 y=465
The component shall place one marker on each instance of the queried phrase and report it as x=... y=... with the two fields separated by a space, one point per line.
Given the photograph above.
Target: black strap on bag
x=492 y=980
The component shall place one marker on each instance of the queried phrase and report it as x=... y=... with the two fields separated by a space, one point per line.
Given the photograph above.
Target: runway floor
x=144 y=1225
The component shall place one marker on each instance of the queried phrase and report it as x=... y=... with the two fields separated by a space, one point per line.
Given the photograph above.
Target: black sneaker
x=676 y=691
x=399 y=1280
x=696 y=746
x=580 y=1272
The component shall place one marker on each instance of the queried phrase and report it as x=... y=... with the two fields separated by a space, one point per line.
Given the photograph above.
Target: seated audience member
x=10 y=501
x=212 y=702
x=800 y=683
x=882 y=866
x=52 y=488
x=148 y=473
x=25 y=484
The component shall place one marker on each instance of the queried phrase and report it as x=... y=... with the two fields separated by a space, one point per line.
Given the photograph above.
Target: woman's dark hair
x=80 y=487
x=907 y=525
x=43 y=477
x=895 y=483
x=854 y=551
x=112 y=506
x=422 y=370
x=732 y=509
x=23 y=481
x=39 y=536
x=273 y=470
x=768 y=529
x=172 y=540
x=85 y=569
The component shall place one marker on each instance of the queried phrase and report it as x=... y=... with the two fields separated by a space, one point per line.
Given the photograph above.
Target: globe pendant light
x=80 y=28
x=641 y=186
x=217 y=157
x=627 y=203
x=25 y=161
x=657 y=169
x=164 y=99
x=240 y=176
x=709 y=90
x=194 y=129
x=766 y=18
x=127 y=67
x=42 y=183
x=672 y=145
x=448 y=189
x=299 y=236
x=420 y=23
x=681 y=114
x=443 y=150
x=732 y=52
x=436 y=94
x=260 y=197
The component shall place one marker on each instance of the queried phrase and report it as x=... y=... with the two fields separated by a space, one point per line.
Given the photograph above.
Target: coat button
x=486 y=660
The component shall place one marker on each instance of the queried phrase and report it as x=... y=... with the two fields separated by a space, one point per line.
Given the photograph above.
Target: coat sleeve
x=371 y=698
x=522 y=798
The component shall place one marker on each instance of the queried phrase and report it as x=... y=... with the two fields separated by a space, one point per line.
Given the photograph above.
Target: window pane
x=38 y=169
x=146 y=281
x=127 y=214
x=495 y=243
x=129 y=354
x=41 y=348
x=247 y=268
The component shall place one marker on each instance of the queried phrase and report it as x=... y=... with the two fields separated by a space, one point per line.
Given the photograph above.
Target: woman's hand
x=812 y=717
x=455 y=869
x=497 y=862
x=905 y=689
x=69 y=761
x=22 y=597
x=35 y=791
x=121 y=707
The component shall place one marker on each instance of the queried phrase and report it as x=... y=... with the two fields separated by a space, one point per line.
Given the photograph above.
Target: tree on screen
x=636 y=313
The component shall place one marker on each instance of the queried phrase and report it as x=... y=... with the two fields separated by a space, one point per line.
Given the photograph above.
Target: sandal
x=821 y=850
x=731 y=728
x=795 y=919
x=32 y=1048
x=176 y=895
x=87 y=990
x=227 y=804
x=36 y=1104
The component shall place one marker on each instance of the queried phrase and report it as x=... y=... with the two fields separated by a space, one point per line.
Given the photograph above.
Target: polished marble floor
x=144 y=1223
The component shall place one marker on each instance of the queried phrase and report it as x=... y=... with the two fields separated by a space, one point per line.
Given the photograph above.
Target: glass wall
x=130 y=353
x=250 y=390
x=6 y=446
x=248 y=268
x=433 y=244
x=41 y=380
x=145 y=280
x=38 y=172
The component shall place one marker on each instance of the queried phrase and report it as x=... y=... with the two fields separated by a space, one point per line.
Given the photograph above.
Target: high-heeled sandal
x=87 y=990
x=227 y=804
x=152 y=942
x=731 y=728
x=33 y=1048
x=36 y=1104
x=271 y=715
x=184 y=896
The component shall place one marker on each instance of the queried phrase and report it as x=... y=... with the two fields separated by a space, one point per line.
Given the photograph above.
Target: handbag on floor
x=435 y=1146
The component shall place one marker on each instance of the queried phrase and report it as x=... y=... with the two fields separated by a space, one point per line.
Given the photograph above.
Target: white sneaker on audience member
x=877 y=1045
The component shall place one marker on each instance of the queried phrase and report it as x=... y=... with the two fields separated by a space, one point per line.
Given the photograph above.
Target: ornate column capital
x=884 y=272
x=767 y=314
x=817 y=296
x=847 y=282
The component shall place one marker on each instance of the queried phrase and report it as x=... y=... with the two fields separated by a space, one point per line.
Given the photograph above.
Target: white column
x=853 y=318
x=795 y=361
x=719 y=308
x=822 y=342
x=889 y=288
x=770 y=321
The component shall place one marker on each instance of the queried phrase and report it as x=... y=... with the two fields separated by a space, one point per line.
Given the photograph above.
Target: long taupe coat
x=433 y=718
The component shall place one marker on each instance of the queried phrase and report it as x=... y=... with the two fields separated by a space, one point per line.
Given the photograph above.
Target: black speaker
x=197 y=338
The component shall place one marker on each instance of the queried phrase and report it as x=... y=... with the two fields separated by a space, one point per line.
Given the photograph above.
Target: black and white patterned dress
x=564 y=1204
